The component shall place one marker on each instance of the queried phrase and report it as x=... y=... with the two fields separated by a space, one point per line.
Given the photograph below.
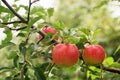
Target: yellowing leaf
x=108 y=61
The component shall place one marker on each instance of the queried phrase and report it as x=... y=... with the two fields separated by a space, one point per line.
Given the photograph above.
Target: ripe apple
x=48 y=29
x=65 y=54
x=93 y=54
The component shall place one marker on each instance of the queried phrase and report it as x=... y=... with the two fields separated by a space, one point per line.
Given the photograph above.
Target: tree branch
x=43 y=36
x=28 y=37
x=14 y=12
x=23 y=70
x=22 y=20
x=5 y=23
x=30 y=4
x=29 y=11
x=112 y=69
x=34 y=1
x=16 y=29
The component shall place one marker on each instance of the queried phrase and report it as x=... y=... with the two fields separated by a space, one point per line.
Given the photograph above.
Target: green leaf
x=59 y=25
x=85 y=31
x=15 y=25
x=6 y=69
x=80 y=44
x=9 y=78
x=30 y=72
x=48 y=38
x=108 y=61
x=3 y=68
x=71 y=39
x=95 y=33
x=44 y=66
x=33 y=20
x=15 y=61
x=25 y=7
x=101 y=4
x=39 y=73
x=50 y=11
x=27 y=77
x=9 y=36
x=22 y=47
x=30 y=49
x=21 y=35
x=115 y=64
x=47 y=23
x=11 y=55
x=39 y=11
x=3 y=9
x=6 y=44
x=93 y=72
x=118 y=48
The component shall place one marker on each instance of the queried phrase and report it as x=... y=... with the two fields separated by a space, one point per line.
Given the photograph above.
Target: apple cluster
x=66 y=54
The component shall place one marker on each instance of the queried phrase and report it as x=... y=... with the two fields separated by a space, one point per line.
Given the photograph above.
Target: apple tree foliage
x=24 y=56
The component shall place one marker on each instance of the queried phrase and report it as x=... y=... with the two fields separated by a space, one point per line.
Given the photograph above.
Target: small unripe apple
x=65 y=54
x=93 y=55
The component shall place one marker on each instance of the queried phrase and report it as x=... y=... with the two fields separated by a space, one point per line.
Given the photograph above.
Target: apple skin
x=48 y=29
x=93 y=55
x=65 y=55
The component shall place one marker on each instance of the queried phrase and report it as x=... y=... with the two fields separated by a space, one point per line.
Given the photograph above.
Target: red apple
x=65 y=54
x=93 y=54
x=48 y=29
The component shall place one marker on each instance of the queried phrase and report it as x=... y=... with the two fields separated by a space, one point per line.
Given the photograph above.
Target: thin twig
x=29 y=11
x=34 y=1
x=21 y=28
x=42 y=36
x=25 y=62
x=28 y=37
x=14 y=12
x=23 y=69
x=16 y=29
x=5 y=23
x=111 y=69
x=50 y=69
x=29 y=8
